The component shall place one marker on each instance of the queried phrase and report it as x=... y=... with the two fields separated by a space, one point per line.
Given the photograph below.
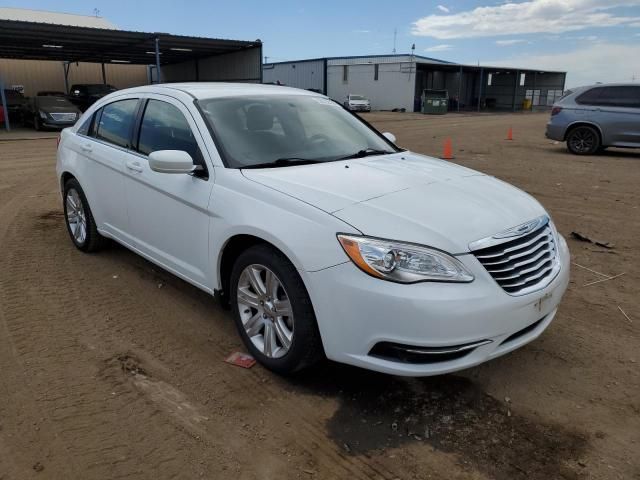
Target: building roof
x=29 y=40
x=58 y=18
x=385 y=58
x=405 y=58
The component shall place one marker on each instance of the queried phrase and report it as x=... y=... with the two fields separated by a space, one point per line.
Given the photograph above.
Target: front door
x=168 y=213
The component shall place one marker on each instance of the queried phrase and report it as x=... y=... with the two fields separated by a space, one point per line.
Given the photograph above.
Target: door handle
x=86 y=147
x=135 y=166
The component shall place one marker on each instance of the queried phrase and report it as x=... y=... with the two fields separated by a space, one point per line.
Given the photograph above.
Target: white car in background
x=323 y=236
x=357 y=103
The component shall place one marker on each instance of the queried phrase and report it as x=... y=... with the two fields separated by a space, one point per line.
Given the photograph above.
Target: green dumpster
x=435 y=102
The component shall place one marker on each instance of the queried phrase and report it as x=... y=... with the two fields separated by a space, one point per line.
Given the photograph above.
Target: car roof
x=201 y=90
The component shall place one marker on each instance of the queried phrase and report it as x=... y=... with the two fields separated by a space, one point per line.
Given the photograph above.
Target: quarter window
x=590 y=97
x=116 y=122
x=164 y=127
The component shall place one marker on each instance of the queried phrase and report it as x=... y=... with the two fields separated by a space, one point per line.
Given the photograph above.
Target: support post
x=158 y=73
x=197 y=67
x=515 y=90
x=533 y=90
x=7 y=125
x=65 y=69
x=104 y=75
x=459 y=87
x=480 y=87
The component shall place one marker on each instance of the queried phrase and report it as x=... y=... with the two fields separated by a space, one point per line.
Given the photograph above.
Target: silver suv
x=593 y=118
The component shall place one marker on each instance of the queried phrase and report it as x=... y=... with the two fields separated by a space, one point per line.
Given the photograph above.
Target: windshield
x=356 y=97
x=257 y=130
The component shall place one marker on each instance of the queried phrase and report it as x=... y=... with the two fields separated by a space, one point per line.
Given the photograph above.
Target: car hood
x=407 y=197
x=58 y=109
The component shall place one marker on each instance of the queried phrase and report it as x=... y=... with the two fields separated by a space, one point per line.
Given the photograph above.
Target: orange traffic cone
x=447 y=151
x=510 y=134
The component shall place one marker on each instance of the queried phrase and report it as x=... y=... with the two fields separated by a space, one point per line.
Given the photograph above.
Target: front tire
x=273 y=312
x=583 y=140
x=79 y=219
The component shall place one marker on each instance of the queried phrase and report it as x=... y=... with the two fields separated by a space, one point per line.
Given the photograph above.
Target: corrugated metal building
x=397 y=81
x=33 y=76
x=58 y=50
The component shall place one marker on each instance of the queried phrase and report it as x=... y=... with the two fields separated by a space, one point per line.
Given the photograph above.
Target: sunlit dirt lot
x=111 y=368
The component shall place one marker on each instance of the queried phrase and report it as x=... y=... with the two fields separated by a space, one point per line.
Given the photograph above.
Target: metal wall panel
x=240 y=66
x=393 y=89
x=38 y=75
x=305 y=75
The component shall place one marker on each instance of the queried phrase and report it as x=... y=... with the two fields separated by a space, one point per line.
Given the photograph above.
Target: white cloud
x=513 y=41
x=599 y=62
x=442 y=8
x=439 y=48
x=533 y=16
x=362 y=31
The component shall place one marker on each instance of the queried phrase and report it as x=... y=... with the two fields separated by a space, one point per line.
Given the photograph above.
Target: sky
x=593 y=40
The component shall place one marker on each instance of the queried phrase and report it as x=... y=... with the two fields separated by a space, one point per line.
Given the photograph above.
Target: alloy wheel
x=265 y=311
x=76 y=216
x=582 y=140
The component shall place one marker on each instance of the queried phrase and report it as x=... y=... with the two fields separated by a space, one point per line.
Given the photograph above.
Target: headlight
x=403 y=262
x=42 y=115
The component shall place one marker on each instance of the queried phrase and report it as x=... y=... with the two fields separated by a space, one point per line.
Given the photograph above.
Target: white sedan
x=323 y=236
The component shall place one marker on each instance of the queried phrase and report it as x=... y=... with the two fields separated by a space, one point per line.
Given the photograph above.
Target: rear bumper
x=357 y=314
x=555 y=132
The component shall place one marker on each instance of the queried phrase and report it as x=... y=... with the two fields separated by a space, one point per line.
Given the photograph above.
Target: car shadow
x=451 y=413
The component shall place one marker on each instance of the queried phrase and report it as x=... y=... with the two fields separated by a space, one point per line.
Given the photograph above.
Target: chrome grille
x=63 y=117
x=524 y=264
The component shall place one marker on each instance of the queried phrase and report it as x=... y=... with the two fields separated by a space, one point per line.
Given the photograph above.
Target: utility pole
x=395 y=35
x=265 y=59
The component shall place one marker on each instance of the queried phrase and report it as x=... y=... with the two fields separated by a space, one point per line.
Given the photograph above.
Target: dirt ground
x=110 y=368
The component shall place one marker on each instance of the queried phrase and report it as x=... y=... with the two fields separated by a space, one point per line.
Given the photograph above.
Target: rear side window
x=164 y=127
x=116 y=122
x=590 y=97
x=84 y=128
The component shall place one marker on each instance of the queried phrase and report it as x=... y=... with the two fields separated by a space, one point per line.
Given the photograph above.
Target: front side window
x=164 y=127
x=255 y=130
x=116 y=122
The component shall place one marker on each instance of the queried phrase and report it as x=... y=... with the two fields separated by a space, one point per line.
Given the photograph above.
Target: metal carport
x=176 y=57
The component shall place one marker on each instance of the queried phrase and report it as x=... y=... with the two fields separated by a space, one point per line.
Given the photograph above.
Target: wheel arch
x=584 y=123
x=64 y=178
x=232 y=248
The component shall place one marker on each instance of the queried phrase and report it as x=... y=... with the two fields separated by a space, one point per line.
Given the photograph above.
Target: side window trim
x=137 y=125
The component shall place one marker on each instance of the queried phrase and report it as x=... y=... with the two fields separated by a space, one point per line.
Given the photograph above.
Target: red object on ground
x=447 y=151
x=510 y=134
x=240 y=359
x=1 y=115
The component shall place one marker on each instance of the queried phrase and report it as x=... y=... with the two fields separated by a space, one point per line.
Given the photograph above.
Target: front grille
x=63 y=117
x=524 y=264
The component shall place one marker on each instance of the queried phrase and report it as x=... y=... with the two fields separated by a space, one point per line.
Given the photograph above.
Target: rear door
x=168 y=212
x=102 y=147
x=619 y=114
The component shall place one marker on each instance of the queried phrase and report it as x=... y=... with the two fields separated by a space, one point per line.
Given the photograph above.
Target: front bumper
x=356 y=312
x=360 y=108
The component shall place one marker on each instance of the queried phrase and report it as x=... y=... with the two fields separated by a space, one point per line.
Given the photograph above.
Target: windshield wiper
x=365 y=153
x=284 y=162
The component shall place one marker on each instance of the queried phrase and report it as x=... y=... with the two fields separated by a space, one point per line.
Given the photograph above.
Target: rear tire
x=273 y=312
x=583 y=140
x=79 y=219
x=36 y=123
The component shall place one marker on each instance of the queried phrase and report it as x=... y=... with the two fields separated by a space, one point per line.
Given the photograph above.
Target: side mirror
x=389 y=136
x=171 y=161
